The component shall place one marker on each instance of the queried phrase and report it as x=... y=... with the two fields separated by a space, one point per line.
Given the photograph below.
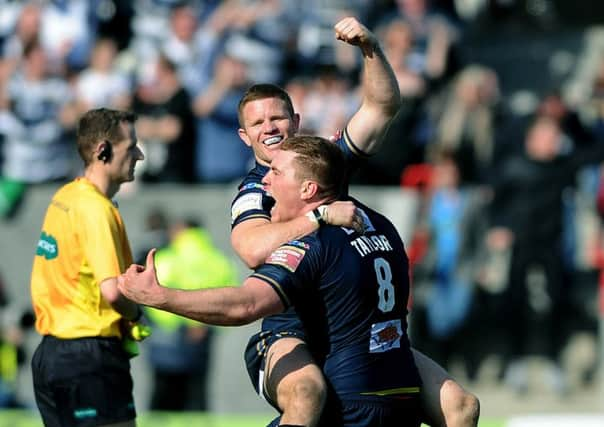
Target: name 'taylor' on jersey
x=368 y=244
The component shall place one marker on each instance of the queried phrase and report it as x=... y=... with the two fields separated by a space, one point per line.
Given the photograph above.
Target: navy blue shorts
x=82 y=382
x=369 y=412
x=373 y=411
x=255 y=358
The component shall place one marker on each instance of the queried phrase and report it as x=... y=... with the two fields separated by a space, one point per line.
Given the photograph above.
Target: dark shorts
x=255 y=357
x=82 y=382
x=369 y=412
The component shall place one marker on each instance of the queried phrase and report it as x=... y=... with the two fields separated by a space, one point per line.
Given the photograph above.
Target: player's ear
x=296 y=119
x=243 y=135
x=308 y=189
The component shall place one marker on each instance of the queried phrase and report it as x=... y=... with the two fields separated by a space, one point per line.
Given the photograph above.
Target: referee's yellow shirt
x=83 y=242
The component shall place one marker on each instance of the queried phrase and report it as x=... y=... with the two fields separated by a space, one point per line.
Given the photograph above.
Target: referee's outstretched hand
x=140 y=284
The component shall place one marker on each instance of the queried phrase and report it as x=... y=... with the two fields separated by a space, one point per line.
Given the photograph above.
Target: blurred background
x=491 y=171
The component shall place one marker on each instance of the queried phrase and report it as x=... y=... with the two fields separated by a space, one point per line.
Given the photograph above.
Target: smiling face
x=266 y=123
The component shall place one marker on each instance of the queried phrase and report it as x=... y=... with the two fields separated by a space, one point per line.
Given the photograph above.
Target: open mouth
x=273 y=140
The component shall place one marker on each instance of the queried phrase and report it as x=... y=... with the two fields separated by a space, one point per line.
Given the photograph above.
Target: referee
x=81 y=371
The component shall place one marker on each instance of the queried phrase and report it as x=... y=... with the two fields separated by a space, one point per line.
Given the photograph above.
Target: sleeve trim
x=276 y=286
x=353 y=148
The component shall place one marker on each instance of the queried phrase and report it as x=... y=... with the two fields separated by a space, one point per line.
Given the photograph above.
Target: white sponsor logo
x=385 y=336
x=245 y=203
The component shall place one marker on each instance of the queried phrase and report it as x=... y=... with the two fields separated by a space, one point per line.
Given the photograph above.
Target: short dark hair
x=101 y=124
x=320 y=160
x=263 y=91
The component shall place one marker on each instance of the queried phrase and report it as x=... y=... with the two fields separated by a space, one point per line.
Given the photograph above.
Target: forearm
x=380 y=87
x=168 y=128
x=220 y=306
x=206 y=103
x=229 y=306
x=254 y=243
x=381 y=101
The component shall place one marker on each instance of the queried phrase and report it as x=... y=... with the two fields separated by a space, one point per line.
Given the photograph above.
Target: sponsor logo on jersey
x=287 y=256
x=299 y=244
x=247 y=202
x=251 y=186
x=385 y=336
x=47 y=246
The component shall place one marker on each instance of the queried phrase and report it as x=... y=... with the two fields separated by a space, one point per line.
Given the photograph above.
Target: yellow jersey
x=83 y=242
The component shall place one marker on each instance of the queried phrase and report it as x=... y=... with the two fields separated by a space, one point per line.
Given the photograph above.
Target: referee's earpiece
x=105 y=154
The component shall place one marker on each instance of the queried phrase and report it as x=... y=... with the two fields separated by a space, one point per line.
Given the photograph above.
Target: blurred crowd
x=508 y=231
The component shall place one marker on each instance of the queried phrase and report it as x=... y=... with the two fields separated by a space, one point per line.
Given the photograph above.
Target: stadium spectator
x=181 y=43
x=80 y=313
x=434 y=37
x=329 y=101
x=26 y=30
x=258 y=35
x=180 y=349
x=68 y=31
x=102 y=83
x=266 y=119
x=165 y=125
x=40 y=112
x=14 y=323
x=369 y=367
x=527 y=205
x=413 y=123
x=444 y=278
x=156 y=235
x=36 y=115
x=220 y=157
x=467 y=123
x=397 y=38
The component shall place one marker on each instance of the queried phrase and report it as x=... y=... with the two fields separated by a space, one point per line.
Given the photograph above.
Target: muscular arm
x=255 y=239
x=225 y=306
x=219 y=306
x=381 y=95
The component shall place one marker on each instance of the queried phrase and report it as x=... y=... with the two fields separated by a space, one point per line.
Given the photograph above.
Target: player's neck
x=314 y=204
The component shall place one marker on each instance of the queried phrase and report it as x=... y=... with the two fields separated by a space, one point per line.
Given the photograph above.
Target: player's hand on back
x=344 y=214
x=351 y=31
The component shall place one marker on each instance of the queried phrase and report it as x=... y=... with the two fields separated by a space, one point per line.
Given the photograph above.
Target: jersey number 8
x=385 y=289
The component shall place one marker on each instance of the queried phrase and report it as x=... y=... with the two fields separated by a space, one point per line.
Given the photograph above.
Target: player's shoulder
x=311 y=243
x=253 y=179
x=370 y=214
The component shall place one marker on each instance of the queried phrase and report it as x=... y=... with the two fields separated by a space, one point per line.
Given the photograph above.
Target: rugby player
x=349 y=289
x=267 y=117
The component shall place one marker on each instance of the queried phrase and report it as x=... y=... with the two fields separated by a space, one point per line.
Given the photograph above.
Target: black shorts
x=372 y=411
x=82 y=382
x=255 y=358
x=368 y=412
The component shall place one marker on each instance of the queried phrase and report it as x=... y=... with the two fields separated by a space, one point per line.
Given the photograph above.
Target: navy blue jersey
x=252 y=200
x=350 y=292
